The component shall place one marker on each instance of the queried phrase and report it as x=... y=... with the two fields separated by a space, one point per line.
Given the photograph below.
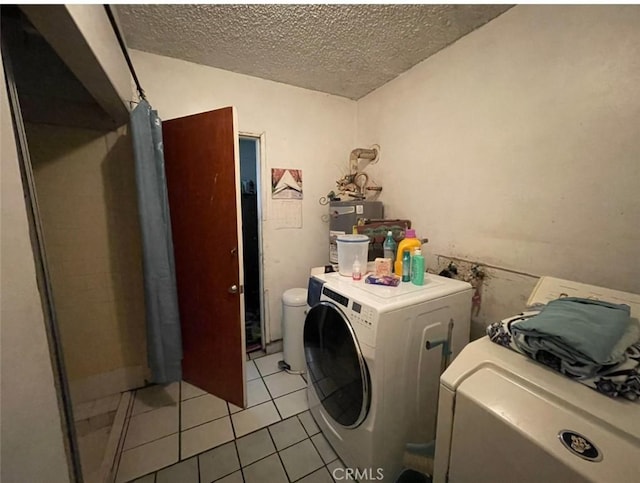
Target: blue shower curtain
x=164 y=342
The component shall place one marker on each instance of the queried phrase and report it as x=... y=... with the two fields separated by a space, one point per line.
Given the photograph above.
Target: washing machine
x=504 y=417
x=374 y=356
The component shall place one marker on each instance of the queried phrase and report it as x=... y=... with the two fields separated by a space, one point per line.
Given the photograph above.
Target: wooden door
x=202 y=169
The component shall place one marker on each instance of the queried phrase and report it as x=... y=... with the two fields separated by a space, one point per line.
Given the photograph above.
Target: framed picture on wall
x=286 y=184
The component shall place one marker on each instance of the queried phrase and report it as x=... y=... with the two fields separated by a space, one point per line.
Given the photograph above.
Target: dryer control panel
x=364 y=321
x=551 y=288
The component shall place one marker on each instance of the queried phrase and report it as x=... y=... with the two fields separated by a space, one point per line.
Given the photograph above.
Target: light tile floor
x=93 y=421
x=180 y=434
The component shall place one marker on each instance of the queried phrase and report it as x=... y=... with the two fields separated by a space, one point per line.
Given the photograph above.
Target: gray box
x=344 y=215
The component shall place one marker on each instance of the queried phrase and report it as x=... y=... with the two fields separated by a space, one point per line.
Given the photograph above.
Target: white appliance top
x=485 y=357
x=550 y=288
x=385 y=299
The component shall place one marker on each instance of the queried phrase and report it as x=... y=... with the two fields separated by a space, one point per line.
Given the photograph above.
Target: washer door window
x=336 y=367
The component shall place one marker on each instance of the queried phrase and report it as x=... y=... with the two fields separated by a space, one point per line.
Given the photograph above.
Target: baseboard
x=107 y=383
x=274 y=346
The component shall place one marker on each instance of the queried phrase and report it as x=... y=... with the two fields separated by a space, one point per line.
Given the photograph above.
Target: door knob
x=233 y=289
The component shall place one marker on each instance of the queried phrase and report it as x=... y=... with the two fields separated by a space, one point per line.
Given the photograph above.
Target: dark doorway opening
x=250 y=183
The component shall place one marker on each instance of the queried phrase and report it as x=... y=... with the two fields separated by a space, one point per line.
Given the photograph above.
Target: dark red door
x=202 y=169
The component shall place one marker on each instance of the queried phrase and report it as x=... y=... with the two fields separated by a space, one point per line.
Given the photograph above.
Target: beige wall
x=86 y=193
x=304 y=129
x=32 y=442
x=518 y=145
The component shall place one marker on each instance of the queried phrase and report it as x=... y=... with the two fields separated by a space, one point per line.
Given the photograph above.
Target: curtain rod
x=123 y=47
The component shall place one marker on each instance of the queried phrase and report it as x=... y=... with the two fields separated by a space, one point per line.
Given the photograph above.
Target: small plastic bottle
x=356 y=272
x=417 y=267
x=389 y=247
x=406 y=266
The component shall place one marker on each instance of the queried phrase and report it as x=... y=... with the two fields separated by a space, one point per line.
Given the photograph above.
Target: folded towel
x=576 y=330
x=618 y=379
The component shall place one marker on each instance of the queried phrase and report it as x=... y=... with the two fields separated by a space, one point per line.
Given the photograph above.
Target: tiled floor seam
x=152 y=441
x=180 y=423
x=318 y=451
x=235 y=445
x=223 y=476
x=258 y=460
x=287 y=393
x=278 y=452
x=265 y=385
x=205 y=422
x=123 y=436
x=197 y=457
x=304 y=476
x=277 y=410
x=235 y=439
x=302 y=424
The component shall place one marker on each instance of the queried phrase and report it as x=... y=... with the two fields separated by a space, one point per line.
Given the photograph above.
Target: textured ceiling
x=347 y=50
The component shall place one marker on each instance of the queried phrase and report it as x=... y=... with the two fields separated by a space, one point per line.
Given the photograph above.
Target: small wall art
x=286 y=184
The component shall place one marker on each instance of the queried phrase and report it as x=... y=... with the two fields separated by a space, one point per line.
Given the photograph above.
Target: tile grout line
x=224 y=476
x=151 y=441
x=330 y=472
x=262 y=458
x=316 y=447
x=207 y=422
x=281 y=395
x=180 y=421
x=123 y=436
x=276 y=406
x=288 y=393
x=278 y=452
x=273 y=441
x=198 y=467
x=233 y=428
x=234 y=441
x=235 y=445
x=297 y=416
x=310 y=436
x=267 y=387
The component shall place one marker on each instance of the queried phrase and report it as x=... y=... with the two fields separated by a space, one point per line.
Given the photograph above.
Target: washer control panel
x=362 y=318
x=364 y=321
x=361 y=314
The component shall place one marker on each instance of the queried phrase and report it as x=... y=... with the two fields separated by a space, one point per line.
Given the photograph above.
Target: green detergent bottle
x=417 y=267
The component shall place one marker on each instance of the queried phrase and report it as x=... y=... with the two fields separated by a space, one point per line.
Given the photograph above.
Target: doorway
x=250 y=175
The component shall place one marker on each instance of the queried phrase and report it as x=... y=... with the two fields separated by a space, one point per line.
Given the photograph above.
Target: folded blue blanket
x=576 y=330
x=618 y=379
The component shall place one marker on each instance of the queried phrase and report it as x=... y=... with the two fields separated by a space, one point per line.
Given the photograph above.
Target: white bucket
x=350 y=247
